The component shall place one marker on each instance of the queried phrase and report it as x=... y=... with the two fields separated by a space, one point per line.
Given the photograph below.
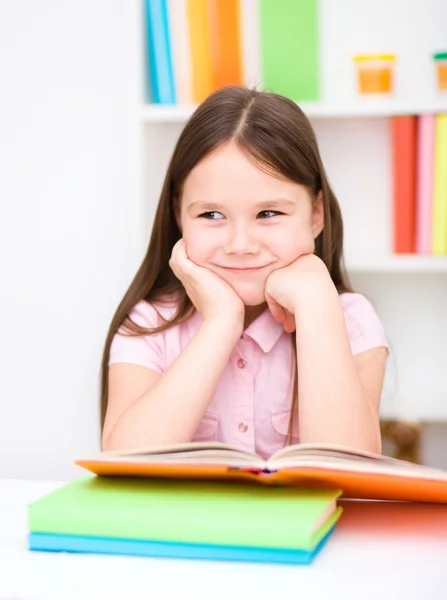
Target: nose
x=241 y=240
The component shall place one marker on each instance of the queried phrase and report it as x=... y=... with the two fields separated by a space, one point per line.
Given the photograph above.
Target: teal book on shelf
x=159 y=58
x=185 y=519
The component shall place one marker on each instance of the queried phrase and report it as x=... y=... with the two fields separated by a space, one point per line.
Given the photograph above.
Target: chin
x=250 y=297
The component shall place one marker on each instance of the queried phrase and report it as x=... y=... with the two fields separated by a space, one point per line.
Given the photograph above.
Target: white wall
x=70 y=221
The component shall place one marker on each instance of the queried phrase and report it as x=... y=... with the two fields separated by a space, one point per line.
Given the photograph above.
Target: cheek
x=293 y=241
x=200 y=242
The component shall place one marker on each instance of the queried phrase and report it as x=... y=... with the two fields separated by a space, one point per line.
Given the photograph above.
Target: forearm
x=333 y=405
x=170 y=411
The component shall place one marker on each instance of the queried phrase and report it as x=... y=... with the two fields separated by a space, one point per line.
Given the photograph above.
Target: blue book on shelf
x=100 y=545
x=159 y=52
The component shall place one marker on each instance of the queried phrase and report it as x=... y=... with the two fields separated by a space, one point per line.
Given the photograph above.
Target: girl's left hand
x=305 y=277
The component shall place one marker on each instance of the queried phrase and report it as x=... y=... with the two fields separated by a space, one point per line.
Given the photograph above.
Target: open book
x=359 y=474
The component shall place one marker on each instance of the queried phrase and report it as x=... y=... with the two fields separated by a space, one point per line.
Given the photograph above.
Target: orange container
x=375 y=73
x=440 y=59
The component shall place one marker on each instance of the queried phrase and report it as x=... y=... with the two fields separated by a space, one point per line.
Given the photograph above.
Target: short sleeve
x=146 y=350
x=364 y=327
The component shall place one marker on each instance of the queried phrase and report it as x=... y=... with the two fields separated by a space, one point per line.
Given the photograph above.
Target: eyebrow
x=206 y=205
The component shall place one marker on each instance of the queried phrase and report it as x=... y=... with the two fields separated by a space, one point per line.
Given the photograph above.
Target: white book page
x=298 y=450
x=192 y=452
x=340 y=458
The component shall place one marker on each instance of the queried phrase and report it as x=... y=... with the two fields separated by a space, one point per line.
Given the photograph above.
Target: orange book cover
x=404 y=150
x=358 y=474
x=226 y=42
x=199 y=22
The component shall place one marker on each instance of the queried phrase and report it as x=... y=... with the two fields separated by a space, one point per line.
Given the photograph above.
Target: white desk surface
x=379 y=550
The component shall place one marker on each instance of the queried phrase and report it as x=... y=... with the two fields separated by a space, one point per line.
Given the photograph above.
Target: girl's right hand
x=213 y=298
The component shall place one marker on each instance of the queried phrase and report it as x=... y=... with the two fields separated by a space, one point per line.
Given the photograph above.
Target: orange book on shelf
x=226 y=42
x=358 y=474
x=404 y=147
x=200 y=40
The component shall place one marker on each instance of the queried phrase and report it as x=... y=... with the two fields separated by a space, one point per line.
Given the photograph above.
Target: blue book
x=100 y=545
x=159 y=52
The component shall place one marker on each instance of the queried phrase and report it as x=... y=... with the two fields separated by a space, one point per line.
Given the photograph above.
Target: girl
x=240 y=325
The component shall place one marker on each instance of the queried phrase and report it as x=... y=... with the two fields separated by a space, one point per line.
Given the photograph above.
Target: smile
x=243 y=269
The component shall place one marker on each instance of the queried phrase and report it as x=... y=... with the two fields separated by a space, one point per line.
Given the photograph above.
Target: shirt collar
x=265 y=331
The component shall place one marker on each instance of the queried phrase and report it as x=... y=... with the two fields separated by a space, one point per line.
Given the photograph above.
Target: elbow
x=372 y=443
x=378 y=445
x=113 y=438
x=106 y=445
x=110 y=441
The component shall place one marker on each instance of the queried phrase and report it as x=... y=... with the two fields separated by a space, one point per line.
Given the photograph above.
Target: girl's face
x=242 y=223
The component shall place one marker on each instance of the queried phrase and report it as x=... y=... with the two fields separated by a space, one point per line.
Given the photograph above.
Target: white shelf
x=425 y=407
x=361 y=108
x=395 y=263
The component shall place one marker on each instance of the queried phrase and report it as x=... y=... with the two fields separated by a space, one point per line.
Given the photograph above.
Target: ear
x=317 y=215
x=177 y=211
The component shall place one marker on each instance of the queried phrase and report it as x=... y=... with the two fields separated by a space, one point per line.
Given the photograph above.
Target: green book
x=187 y=511
x=289 y=48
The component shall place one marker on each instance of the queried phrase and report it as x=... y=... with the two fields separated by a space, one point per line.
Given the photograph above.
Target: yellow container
x=440 y=59
x=375 y=73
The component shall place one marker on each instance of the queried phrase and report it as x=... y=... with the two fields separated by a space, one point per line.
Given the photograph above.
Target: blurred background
x=93 y=96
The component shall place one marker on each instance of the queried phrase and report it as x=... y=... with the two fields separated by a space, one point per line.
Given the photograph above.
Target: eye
x=212 y=215
x=267 y=214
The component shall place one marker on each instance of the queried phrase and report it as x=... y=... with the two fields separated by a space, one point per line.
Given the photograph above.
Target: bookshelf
x=393 y=263
x=354 y=135
x=356 y=108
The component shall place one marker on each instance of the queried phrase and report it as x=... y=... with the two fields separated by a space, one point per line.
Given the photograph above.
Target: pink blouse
x=251 y=405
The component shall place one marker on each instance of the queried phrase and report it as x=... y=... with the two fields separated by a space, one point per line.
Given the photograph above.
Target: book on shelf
x=424 y=192
x=404 y=147
x=158 y=48
x=226 y=43
x=184 y=519
x=440 y=186
x=198 y=14
x=358 y=474
x=181 y=56
x=289 y=48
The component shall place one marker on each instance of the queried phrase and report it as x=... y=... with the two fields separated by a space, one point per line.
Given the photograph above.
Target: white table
x=379 y=550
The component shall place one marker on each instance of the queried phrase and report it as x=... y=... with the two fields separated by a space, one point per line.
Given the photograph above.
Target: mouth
x=243 y=270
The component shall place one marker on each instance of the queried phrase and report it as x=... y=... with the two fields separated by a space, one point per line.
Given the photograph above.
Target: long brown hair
x=274 y=132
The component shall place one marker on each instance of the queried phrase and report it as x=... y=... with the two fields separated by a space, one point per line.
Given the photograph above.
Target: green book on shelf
x=289 y=48
x=188 y=512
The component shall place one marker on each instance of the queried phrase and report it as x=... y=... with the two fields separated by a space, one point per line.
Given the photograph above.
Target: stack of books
x=215 y=501
x=184 y=519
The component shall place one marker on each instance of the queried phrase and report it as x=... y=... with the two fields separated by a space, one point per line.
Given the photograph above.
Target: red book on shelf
x=404 y=146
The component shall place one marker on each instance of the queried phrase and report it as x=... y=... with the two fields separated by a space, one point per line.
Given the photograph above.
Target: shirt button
x=242 y=427
x=241 y=363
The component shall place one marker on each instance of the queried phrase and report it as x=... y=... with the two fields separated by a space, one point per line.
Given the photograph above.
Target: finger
x=174 y=268
x=177 y=250
x=184 y=263
x=181 y=276
x=174 y=252
x=179 y=261
x=289 y=322
x=276 y=309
